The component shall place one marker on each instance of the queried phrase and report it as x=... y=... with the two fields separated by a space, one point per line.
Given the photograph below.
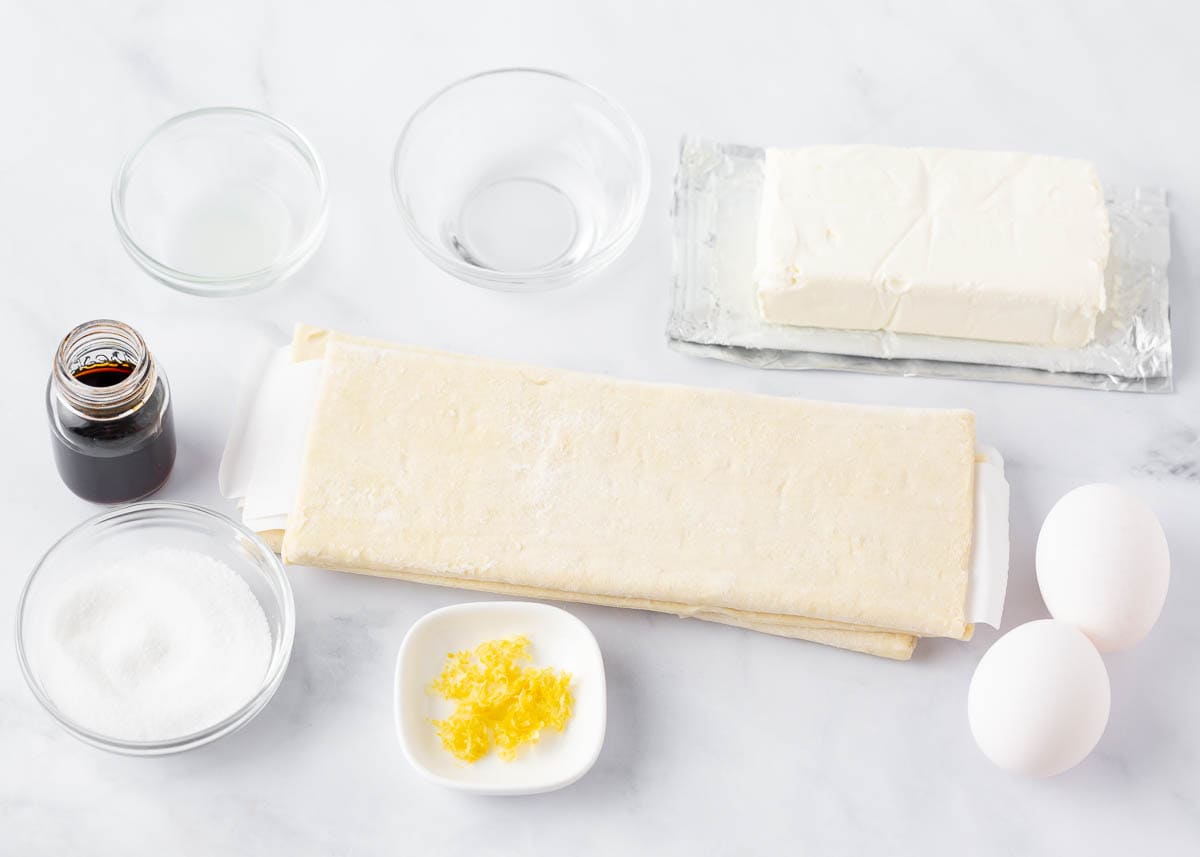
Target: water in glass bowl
x=228 y=230
x=521 y=224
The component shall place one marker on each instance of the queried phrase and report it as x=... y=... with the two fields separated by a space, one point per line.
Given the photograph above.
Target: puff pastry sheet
x=845 y=525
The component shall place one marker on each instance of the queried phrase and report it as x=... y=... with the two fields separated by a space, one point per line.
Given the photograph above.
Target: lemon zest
x=499 y=702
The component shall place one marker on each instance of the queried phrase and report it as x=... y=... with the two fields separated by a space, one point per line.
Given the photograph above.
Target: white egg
x=1103 y=565
x=1039 y=699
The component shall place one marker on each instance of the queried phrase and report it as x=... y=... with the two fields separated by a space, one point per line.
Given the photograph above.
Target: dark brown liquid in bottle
x=104 y=374
x=118 y=460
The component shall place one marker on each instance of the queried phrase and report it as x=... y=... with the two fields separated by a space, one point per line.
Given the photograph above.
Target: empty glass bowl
x=521 y=179
x=125 y=532
x=221 y=201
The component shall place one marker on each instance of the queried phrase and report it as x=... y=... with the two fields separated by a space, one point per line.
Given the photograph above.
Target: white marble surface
x=719 y=741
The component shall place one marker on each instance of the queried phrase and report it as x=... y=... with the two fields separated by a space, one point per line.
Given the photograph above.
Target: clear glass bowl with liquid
x=521 y=179
x=221 y=201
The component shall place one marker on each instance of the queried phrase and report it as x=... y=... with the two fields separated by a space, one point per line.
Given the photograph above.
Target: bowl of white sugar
x=155 y=628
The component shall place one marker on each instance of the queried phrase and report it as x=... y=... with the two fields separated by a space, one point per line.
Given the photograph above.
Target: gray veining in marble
x=720 y=741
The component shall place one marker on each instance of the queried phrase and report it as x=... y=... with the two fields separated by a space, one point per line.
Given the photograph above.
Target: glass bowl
x=521 y=179
x=137 y=527
x=221 y=201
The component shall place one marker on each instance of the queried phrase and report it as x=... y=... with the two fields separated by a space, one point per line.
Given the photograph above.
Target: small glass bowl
x=142 y=526
x=221 y=201
x=521 y=179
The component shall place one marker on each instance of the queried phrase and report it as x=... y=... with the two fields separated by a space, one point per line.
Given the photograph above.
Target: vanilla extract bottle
x=109 y=405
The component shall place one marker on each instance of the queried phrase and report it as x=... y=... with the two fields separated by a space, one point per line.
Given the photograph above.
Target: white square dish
x=557 y=640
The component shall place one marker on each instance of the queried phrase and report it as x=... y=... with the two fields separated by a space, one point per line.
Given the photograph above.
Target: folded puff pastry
x=842 y=524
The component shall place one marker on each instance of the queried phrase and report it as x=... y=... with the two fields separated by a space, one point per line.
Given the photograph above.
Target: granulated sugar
x=156 y=646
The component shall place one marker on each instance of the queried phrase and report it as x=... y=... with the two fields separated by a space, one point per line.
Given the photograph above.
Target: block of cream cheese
x=980 y=245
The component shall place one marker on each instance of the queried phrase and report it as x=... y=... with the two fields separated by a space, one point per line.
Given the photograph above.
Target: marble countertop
x=719 y=741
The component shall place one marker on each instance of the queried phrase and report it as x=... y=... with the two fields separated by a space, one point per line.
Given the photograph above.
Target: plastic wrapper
x=715 y=311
